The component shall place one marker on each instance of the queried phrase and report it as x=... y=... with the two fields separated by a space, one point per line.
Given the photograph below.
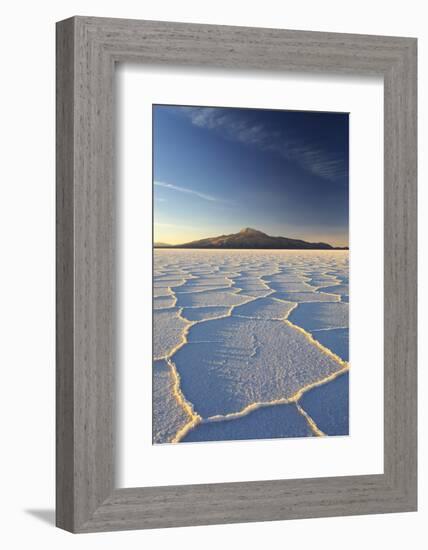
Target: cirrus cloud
x=187 y=190
x=305 y=152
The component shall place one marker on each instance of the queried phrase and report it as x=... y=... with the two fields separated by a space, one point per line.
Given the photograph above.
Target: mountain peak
x=250 y=230
x=250 y=238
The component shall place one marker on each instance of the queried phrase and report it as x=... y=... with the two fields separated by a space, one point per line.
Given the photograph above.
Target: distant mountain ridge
x=252 y=238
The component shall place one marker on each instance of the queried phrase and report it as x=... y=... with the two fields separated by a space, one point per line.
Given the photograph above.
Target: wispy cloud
x=186 y=190
x=306 y=152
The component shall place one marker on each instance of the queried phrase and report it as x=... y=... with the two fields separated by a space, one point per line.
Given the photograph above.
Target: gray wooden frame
x=87 y=50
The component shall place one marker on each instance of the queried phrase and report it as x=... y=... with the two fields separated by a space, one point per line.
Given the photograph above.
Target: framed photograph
x=236 y=274
x=250 y=330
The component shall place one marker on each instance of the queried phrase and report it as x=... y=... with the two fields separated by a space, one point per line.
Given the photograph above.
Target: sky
x=217 y=170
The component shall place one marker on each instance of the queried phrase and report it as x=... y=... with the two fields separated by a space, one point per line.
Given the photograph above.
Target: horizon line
x=164 y=244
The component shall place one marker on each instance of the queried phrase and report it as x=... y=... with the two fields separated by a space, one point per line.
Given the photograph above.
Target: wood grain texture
x=64 y=276
x=87 y=50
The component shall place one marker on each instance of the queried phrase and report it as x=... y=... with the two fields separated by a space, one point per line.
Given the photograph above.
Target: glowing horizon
x=175 y=235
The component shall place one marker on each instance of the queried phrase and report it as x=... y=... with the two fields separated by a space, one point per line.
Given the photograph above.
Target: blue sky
x=217 y=170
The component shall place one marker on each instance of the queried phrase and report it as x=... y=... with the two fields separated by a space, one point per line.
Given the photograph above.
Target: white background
x=27 y=273
x=360 y=453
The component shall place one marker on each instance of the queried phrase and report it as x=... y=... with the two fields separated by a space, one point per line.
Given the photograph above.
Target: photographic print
x=250 y=274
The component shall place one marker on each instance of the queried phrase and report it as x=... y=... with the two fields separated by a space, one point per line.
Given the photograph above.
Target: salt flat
x=231 y=363
x=168 y=331
x=264 y=423
x=251 y=337
x=168 y=414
